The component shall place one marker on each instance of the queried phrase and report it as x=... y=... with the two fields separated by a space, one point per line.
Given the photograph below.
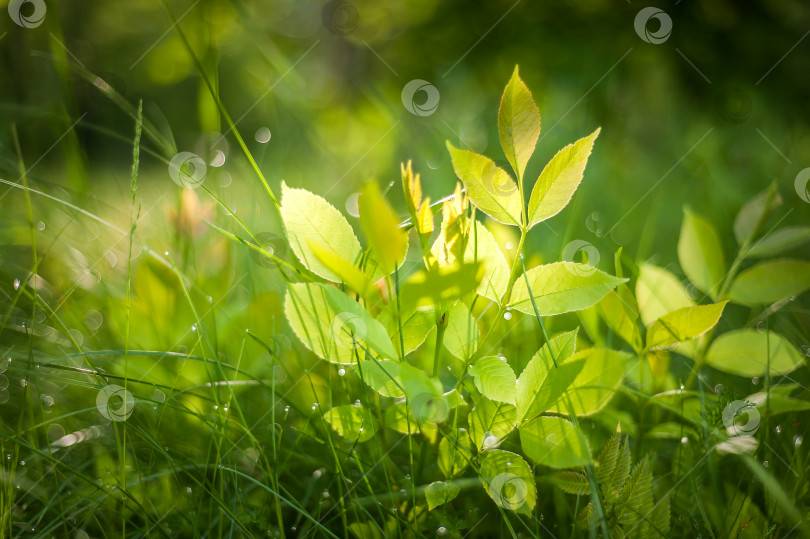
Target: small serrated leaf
x=518 y=123
x=571 y=482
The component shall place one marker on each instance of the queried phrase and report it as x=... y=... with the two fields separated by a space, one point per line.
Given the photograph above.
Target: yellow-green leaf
x=482 y=247
x=494 y=378
x=352 y=422
x=659 y=292
x=381 y=227
x=461 y=334
x=594 y=386
x=562 y=287
x=508 y=480
x=560 y=178
x=683 y=324
x=490 y=421
x=455 y=454
x=701 y=253
x=554 y=442
x=779 y=241
x=345 y=271
x=309 y=219
x=747 y=352
x=489 y=187
x=771 y=281
x=518 y=123
x=620 y=312
x=439 y=493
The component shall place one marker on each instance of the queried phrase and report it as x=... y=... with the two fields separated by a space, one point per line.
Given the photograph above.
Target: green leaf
x=482 y=247
x=352 y=422
x=438 y=285
x=771 y=281
x=398 y=419
x=659 y=292
x=660 y=518
x=461 y=334
x=490 y=188
x=381 y=226
x=560 y=178
x=779 y=241
x=490 y=422
x=382 y=376
x=494 y=378
x=701 y=253
x=777 y=404
x=416 y=326
x=439 y=493
x=746 y=352
x=518 y=123
x=571 y=482
x=554 y=442
x=615 y=461
x=754 y=213
x=636 y=502
x=345 y=271
x=683 y=324
x=540 y=383
x=309 y=219
x=333 y=325
x=620 y=313
x=596 y=383
x=562 y=287
x=455 y=454
x=508 y=480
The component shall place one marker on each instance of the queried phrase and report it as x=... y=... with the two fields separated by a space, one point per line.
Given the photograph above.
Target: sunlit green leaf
x=416 y=326
x=540 y=384
x=508 y=480
x=482 y=247
x=344 y=270
x=438 y=285
x=352 y=422
x=490 y=421
x=381 y=226
x=309 y=219
x=620 y=313
x=554 y=442
x=461 y=334
x=562 y=287
x=439 y=493
x=455 y=454
x=701 y=253
x=382 y=376
x=771 y=281
x=518 y=123
x=596 y=383
x=683 y=324
x=489 y=187
x=559 y=179
x=571 y=482
x=494 y=378
x=754 y=213
x=659 y=292
x=748 y=352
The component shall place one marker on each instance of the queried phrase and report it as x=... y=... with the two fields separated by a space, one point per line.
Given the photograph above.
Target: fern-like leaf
x=615 y=461
x=636 y=501
x=571 y=482
x=660 y=518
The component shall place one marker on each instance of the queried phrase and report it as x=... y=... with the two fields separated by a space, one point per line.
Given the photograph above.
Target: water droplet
x=765 y=464
x=317 y=473
x=684 y=440
x=718 y=389
x=263 y=135
x=341 y=371
x=16 y=284
x=755 y=380
x=797 y=440
x=508 y=463
x=193 y=327
x=507 y=315
x=287 y=408
x=40 y=226
x=216 y=407
x=188 y=490
x=490 y=441
x=22 y=463
x=219 y=159
x=508 y=245
x=314 y=406
x=23 y=382
x=225 y=408
x=761 y=327
x=353 y=204
x=778 y=429
x=325 y=494
x=682 y=387
x=47 y=400
x=441 y=531
x=166 y=253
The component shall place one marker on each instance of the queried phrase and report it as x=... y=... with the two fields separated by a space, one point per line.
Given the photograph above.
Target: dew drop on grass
x=508 y=245
x=194 y=327
x=765 y=464
x=40 y=226
x=684 y=440
x=314 y=406
x=507 y=315
x=166 y=253
x=341 y=371
x=16 y=284
x=441 y=531
x=718 y=389
x=287 y=408
x=797 y=441
x=755 y=380
x=263 y=135
x=761 y=327
x=23 y=382
x=778 y=429
x=353 y=204
x=47 y=400
x=188 y=490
